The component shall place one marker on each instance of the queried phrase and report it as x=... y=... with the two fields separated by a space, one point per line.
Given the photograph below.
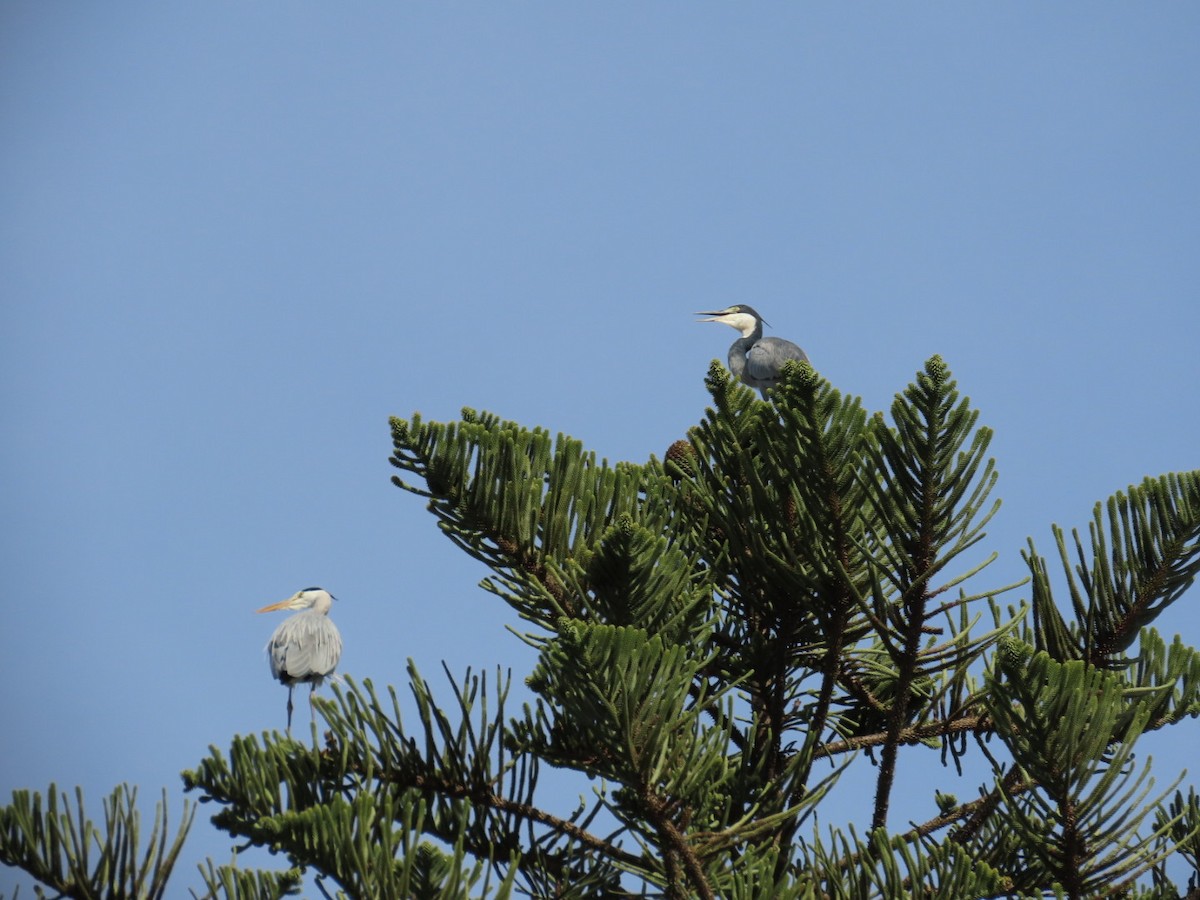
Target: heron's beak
x=716 y=316
x=282 y=604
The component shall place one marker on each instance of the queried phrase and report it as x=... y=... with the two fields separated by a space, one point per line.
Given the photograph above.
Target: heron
x=305 y=648
x=756 y=360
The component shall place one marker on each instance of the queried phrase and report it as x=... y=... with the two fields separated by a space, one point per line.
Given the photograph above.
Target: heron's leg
x=312 y=710
x=289 y=709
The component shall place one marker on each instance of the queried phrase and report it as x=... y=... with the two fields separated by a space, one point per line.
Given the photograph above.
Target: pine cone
x=681 y=460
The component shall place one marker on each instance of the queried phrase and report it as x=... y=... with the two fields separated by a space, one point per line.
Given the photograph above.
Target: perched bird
x=756 y=360
x=306 y=647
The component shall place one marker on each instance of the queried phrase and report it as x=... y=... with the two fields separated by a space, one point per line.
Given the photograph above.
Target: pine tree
x=794 y=592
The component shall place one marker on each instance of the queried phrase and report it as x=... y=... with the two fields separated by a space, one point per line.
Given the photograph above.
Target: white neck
x=743 y=322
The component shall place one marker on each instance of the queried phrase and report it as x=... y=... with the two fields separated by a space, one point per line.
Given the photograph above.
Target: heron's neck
x=748 y=326
x=738 y=350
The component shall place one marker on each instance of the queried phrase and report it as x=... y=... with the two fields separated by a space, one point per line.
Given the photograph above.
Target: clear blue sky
x=237 y=237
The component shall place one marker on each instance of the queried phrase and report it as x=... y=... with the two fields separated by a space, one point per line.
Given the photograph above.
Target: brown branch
x=489 y=798
x=836 y=636
x=526 y=559
x=965 y=811
x=985 y=806
x=677 y=845
x=914 y=734
x=1120 y=636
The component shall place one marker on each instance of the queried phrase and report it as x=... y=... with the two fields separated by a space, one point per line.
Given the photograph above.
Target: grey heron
x=305 y=648
x=756 y=360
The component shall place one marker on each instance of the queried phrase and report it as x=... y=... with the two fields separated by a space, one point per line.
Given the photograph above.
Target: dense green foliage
x=794 y=592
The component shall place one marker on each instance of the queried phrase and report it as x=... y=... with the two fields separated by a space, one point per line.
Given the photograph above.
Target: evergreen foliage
x=795 y=590
x=74 y=857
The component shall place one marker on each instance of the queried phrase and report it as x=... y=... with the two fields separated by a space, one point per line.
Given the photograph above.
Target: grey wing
x=305 y=647
x=765 y=359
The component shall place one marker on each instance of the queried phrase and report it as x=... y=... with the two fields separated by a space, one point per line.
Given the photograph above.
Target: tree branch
x=486 y=796
x=676 y=843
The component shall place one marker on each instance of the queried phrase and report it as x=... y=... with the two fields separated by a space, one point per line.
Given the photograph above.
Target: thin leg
x=312 y=710
x=289 y=709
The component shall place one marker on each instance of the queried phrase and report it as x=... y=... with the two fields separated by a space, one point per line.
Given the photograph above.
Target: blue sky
x=237 y=237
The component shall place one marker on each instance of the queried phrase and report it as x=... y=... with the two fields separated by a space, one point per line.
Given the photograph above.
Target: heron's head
x=742 y=317
x=309 y=598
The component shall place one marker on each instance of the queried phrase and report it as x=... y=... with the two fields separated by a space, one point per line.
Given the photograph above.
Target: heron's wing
x=305 y=647
x=764 y=361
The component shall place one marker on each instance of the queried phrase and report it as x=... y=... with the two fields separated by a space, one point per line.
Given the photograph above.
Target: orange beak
x=282 y=604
